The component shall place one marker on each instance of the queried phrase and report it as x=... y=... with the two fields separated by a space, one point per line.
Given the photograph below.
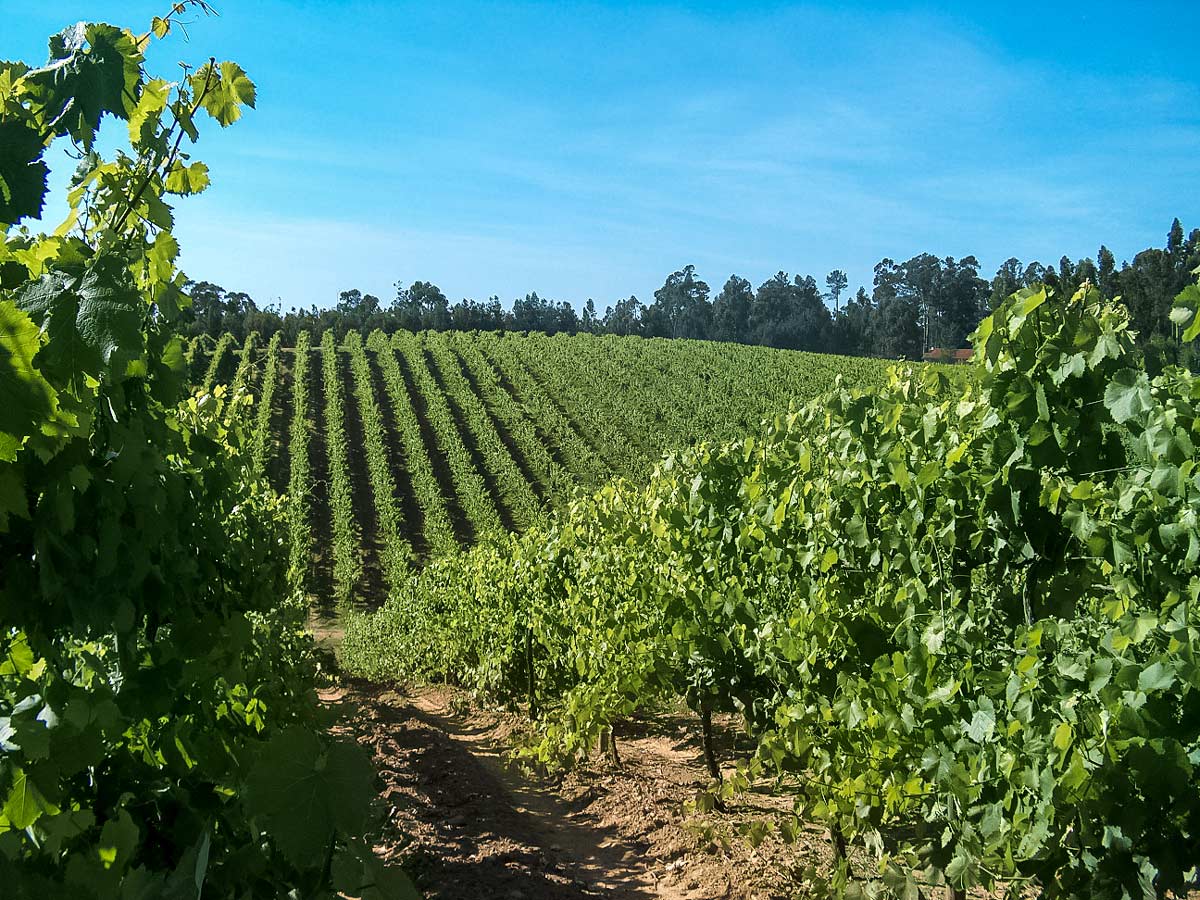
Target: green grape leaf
x=288 y=789
x=223 y=91
x=172 y=356
x=18 y=658
x=358 y=872
x=147 y=113
x=25 y=803
x=185 y=180
x=1063 y=735
x=90 y=323
x=1156 y=677
x=161 y=257
x=118 y=840
x=351 y=784
x=982 y=726
x=13 y=499
x=94 y=69
x=1127 y=395
x=23 y=174
x=1186 y=311
x=26 y=398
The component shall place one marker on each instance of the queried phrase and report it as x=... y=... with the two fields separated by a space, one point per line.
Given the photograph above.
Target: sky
x=589 y=150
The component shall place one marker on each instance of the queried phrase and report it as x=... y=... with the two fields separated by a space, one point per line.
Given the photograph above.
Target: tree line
x=922 y=303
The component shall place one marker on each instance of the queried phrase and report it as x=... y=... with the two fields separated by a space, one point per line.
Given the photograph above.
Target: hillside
x=422 y=443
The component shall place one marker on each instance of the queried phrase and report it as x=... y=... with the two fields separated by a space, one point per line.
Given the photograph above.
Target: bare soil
x=469 y=824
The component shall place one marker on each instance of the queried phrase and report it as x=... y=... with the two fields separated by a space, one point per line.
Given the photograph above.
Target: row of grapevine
x=247 y=368
x=469 y=485
x=195 y=357
x=573 y=374
x=478 y=434
x=396 y=551
x=260 y=440
x=515 y=490
x=300 y=471
x=221 y=353
x=959 y=619
x=558 y=482
x=438 y=531
x=580 y=455
x=347 y=559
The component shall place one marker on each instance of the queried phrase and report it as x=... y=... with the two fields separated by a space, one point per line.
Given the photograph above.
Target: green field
x=420 y=444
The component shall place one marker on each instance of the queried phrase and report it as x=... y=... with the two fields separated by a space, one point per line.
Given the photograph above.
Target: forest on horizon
x=914 y=306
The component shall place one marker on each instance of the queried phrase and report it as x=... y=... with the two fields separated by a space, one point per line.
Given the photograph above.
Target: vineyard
x=953 y=609
x=403 y=448
x=955 y=618
x=941 y=622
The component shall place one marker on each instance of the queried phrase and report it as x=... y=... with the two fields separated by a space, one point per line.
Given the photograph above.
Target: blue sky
x=588 y=150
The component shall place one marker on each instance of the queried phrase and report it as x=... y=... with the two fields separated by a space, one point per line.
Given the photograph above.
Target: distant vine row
x=472 y=490
x=260 y=440
x=438 y=531
x=220 y=352
x=396 y=551
x=300 y=473
x=347 y=560
x=514 y=489
x=558 y=481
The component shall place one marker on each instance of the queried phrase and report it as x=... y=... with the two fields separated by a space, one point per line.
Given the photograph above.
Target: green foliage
x=469 y=484
x=155 y=680
x=438 y=532
x=261 y=439
x=958 y=618
x=396 y=551
x=347 y=561
x=300 y=471
x=515 y=491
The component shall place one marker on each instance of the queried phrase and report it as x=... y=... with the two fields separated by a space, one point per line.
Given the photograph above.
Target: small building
x=950 y=357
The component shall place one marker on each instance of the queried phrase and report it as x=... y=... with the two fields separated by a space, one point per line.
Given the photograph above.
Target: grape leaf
x=983 y=724
x=185 y=180
x=223 y=91
x=89 y=323
x=351 y=786
x=25 y=803
x=1156 y=677
x=13 y=500
x=118 y=840
x=147 y=113
x=23 y=174
x=1186 y=311
x=26 y=398
x=1127 y=395
x=287 y=788
x=93 y=69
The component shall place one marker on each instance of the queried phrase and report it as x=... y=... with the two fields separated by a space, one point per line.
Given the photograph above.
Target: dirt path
x=467 y=825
